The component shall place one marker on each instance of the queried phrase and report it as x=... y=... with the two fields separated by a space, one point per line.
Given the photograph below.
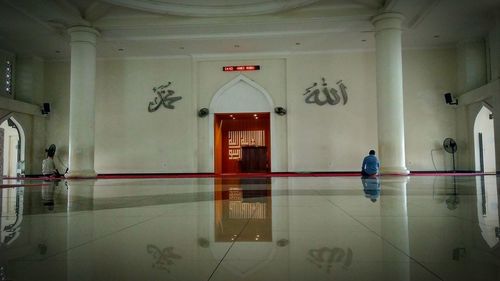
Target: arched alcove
x=484 y=141
x=241 y=95
x=13 y=143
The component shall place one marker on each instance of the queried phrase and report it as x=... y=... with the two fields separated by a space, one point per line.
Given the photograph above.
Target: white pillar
x=82 y=102
x=390 y=93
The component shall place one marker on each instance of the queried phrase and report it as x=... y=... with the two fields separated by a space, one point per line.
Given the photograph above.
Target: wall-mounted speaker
x=280 y=110
x=203 y=112
x=448 y=98
x=45 y=108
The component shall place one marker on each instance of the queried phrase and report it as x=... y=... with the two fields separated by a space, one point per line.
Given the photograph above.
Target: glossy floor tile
x=297 y=228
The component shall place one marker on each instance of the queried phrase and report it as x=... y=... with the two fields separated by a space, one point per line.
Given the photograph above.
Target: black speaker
x=449 y=99
x=203 y=112
x=46 y=108
x=280 y=110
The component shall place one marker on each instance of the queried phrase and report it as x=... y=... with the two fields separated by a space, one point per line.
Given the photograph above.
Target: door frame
x=219 y=138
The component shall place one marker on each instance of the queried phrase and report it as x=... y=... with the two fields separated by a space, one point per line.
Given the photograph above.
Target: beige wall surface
x=331 y=137
x=57 y=77
x=129 y=139
x=427 y=75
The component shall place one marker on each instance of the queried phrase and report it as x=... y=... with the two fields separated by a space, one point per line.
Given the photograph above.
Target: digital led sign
x=241 y=68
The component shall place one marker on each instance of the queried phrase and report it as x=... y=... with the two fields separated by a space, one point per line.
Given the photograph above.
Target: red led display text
x=241 y=68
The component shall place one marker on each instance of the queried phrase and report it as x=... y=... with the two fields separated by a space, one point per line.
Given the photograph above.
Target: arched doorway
x=12 y=148
x=244 y=100
x=484 y=141
x=242 y=143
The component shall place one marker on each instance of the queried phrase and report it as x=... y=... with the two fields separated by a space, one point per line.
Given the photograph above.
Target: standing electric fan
x=450 y=146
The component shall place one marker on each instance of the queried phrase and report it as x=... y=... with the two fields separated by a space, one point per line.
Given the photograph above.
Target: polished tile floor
x=297 y=228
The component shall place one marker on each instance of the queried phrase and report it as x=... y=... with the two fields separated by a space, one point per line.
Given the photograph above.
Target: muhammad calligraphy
x=163 y=258
x=325 y=257
x=163 y=97
x=322 y=95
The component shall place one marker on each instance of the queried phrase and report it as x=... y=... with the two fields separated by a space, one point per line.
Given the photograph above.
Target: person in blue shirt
x=370 y=165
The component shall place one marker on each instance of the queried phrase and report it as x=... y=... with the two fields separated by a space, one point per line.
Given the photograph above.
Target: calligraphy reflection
x=163 y=258
x=163 y=97
x=324 y=258
x=325 y=95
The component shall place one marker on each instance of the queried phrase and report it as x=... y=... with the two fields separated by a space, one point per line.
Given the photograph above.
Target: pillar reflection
x=394 y=228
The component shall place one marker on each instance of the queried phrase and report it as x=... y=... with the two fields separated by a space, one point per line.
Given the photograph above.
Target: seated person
x=370 y=165
x=48 y=165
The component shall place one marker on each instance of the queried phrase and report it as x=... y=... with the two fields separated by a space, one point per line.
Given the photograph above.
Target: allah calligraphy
x=324 y=258
x=323 y=95
x=163 y=258
x=237 y=139
x=164 y=97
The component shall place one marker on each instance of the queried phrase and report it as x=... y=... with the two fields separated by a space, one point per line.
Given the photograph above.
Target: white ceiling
x=198 y=27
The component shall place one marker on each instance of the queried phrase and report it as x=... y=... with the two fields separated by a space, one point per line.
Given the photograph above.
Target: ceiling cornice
x=211 y=8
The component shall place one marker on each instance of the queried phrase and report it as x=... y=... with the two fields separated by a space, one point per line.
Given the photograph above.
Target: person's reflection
x=371 y=187
x=48 y=189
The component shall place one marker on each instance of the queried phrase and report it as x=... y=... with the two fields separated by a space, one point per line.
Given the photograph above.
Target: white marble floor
x=297 y=228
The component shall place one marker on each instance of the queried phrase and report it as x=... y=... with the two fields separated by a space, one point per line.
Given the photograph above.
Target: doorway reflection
x=243 y=210
x=11 y=211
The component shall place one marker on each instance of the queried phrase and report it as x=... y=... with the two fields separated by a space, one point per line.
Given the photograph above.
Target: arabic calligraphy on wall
x=164 y=96
x=324 y=258
x=237 y=139
x=322 y=95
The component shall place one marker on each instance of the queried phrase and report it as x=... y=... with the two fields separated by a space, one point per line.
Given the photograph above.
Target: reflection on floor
x=273 y=228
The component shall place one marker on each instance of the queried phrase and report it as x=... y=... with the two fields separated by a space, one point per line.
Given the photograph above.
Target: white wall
x=30 y=89
x=129 y=139
x=472 y=70
x=427 y=75
x=331 y=138
x=494 y=49
x=57 y=77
